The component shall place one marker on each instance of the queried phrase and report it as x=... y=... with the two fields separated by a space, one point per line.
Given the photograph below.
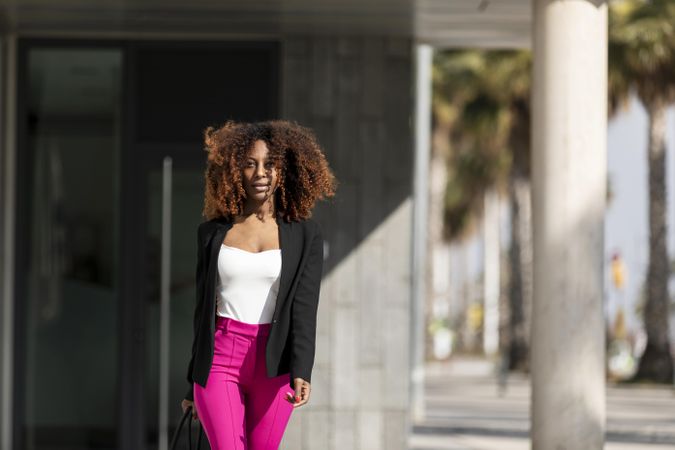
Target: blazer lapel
x=213 y=246
x=290 y=255
x=217 y=237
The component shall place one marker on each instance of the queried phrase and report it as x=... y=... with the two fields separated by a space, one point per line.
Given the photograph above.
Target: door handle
x=165 y=304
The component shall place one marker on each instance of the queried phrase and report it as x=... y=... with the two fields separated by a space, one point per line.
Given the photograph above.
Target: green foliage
x=470 y=173
x=482 y=97
x=641 y=51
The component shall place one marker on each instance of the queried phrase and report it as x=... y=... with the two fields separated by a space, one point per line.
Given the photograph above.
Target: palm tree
x=491 y=136
x=471 y=165
x=642 y=58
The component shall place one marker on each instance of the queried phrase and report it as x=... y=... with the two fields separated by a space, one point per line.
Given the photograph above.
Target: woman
x=259 y=266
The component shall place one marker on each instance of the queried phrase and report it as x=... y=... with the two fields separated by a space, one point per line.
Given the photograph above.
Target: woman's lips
x=261 y=188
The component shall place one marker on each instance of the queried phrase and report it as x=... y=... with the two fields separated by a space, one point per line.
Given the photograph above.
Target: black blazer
x=291 y=341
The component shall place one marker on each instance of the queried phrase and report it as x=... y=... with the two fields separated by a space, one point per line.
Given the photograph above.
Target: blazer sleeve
x=199 y=282
x=304 y=310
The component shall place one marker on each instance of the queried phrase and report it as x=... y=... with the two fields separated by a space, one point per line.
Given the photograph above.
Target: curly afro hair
x=303 y=173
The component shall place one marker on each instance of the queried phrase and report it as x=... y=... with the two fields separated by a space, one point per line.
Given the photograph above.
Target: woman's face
x=260 y=173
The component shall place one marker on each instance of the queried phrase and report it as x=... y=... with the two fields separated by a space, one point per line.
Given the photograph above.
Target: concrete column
x=569 y=182
x=423 y=63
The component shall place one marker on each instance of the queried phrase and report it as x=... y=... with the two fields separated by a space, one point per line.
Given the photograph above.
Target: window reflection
x=74 y=118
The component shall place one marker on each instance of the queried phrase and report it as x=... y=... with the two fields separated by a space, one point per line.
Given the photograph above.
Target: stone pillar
x=569 y=127
x=420 y=238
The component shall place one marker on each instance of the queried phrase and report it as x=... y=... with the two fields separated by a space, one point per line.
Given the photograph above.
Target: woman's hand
x=185 y=404
x=302 y=390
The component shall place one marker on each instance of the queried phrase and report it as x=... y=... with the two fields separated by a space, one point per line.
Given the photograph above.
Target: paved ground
x=465 y=411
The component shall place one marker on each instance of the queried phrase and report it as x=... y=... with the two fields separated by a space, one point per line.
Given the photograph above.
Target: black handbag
x=176 y=434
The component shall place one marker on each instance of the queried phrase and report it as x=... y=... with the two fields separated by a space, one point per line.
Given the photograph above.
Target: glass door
x=68 y=241
x=174 y=100
x=110 y=193
x=174 y=196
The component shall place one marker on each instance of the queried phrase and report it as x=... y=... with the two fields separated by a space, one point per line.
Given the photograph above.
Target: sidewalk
x=466 y=412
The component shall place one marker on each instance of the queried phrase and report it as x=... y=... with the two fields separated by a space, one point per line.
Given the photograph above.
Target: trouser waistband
x=247 y=329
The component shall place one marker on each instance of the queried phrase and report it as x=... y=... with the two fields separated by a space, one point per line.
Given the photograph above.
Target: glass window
x=74 y=116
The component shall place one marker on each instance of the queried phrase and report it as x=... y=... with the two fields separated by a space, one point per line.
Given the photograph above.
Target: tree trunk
x=656 y=363
x=491 y=272
x=520 y=277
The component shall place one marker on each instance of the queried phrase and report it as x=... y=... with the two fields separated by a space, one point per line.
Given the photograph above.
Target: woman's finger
x=304 y=396
x=195 y=416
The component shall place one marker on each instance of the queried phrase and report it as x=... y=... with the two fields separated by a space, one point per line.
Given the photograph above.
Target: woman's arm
x=199 y=282
x=304 y=309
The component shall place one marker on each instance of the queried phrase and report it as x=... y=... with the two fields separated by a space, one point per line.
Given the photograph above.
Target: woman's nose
x=260 y=170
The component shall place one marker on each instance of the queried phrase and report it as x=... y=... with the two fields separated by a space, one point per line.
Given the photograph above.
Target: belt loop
x=222 y=323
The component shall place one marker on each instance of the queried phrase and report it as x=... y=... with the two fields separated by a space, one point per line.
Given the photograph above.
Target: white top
x=248 y=283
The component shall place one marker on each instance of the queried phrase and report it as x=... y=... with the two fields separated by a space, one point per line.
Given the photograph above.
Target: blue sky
x=626 y=227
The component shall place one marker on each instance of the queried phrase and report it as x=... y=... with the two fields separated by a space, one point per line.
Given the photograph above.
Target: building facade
x=102 y=192
x=103 y=107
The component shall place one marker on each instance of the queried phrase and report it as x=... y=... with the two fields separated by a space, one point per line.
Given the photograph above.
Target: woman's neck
x=262 y=211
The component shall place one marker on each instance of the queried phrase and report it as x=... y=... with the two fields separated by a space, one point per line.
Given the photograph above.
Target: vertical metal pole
x=165 y=306
x=423 y=61
x=8 y=159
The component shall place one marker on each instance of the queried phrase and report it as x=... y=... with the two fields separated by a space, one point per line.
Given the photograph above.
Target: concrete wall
x=356 y=93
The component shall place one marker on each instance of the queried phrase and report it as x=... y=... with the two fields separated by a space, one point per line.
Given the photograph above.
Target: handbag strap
x=176 y=434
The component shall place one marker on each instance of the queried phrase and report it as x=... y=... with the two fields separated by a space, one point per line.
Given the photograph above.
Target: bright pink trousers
x=241 y=408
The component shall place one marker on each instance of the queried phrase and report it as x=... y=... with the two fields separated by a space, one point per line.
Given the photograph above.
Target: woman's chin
x=259 y=196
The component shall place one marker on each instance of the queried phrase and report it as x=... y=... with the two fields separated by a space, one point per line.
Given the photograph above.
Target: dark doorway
x=111 y=185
